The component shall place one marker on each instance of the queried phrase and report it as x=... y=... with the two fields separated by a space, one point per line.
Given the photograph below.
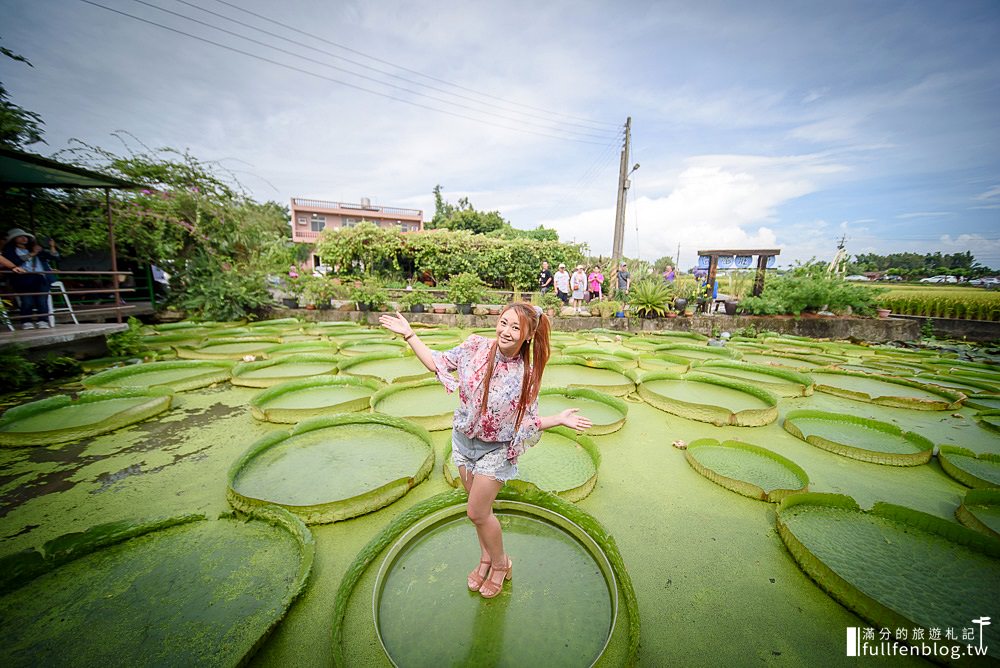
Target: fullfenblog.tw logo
x=950 y=643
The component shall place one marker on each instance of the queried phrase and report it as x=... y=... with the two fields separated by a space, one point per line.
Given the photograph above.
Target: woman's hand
x=396 y=324
x=568 y=418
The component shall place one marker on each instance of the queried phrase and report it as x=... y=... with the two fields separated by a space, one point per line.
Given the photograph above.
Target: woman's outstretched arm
x=567 y=418
x=399 y=325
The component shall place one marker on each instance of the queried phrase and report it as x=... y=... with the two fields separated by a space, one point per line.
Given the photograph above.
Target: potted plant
x=649 y=298
x=551 y=304
x=320 y=291
x=464 y=290
x=417 y=299
x=370 y=296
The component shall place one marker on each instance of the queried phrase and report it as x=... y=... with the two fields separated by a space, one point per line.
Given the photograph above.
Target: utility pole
x=677 y=263
x=623 y=184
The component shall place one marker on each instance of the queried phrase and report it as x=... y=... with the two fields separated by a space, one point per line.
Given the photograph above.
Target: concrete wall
x=950 y=328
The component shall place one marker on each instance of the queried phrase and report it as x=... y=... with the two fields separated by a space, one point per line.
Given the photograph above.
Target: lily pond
x=281 y=493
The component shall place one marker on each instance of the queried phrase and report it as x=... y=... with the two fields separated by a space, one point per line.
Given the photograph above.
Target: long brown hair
x=534 y=349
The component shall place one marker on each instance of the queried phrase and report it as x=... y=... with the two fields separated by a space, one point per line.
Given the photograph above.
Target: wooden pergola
x=763 y=257
x=27 y=171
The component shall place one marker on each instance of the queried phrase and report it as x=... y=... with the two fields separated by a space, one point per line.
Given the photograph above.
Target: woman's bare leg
x=484 y=554
x=483 y=492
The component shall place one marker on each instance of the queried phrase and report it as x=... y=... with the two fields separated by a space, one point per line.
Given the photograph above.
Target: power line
x=604 y=132
x=338 y=81
x=406 y=69
x=361 y=76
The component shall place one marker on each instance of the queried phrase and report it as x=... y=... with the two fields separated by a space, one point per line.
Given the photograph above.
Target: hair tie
x=538 y=311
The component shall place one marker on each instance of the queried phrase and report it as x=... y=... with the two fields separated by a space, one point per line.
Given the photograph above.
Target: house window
x=303 y=220
x=318 y=223
x=351 y=222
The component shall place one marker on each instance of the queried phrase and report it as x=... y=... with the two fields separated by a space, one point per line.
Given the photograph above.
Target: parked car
x=985 y=282
x=940 y=278
x=891 y=277
x=856 y=277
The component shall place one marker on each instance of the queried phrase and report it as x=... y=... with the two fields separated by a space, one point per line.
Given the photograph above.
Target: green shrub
x=809 y=288
x=127 y=343
x=18 y=371
x=466 y=288
x=650 y=296
x=371 y=293
x=54 y=366
x=418 y=295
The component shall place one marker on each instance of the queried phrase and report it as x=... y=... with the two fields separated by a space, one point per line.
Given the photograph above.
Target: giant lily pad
x=332 y=468
x=562 y=462
x=956 y=383
x=698 y=352
x=284 y=368
x=424 y=402
x=594 y=612
x=885 y=390
x=228 y=349
x=178 y=376
x=746 y=469
x=625 y=358
x=859 y=438
x=607 y=413
x=298 y=400
x=983 y=402
x=370 y=346
x=797 y=362
x=609 y=377
x=968 y=468
x=918 y=570
x=781 y=382
x=61 y=419
x=980 y=510
x=178 y=592
x=989 y=419
x=708 y=398
x=386 y=367
x=297 y=347
x=664 y=362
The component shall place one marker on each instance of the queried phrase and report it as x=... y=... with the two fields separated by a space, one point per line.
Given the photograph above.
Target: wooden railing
x=115 y=292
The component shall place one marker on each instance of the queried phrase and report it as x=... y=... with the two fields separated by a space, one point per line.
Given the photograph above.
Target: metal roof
x=27 y=170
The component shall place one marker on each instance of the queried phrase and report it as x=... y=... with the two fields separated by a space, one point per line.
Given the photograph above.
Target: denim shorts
x=482 y=457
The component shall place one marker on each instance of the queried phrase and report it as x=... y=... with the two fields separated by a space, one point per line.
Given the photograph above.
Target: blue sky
x=779 y=124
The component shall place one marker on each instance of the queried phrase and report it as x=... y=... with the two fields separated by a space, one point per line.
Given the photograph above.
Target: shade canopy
x=27 y=170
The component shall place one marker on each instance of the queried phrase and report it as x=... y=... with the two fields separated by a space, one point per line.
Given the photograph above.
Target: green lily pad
x=297 y=347
x=386 y=367
x=228 y=349
x=777 y=381
x=917 y=570
x=572 y=372
x=178 y=592
x=367 y=347
x=546 y=547
x=859 y=438
x=794 y=362
x=553 y=611
x=62 y=419
x=298 y=400
x=664 y=362
x=970 y=469
x=284 y=368
x=989 y=419
x=178 y=376
x=983 y=402
x=623 y=357
x=698 y=352
x=709 y=398
x=424 y=402
x=956 y=383
x=333 y=468
x=746 y=469
x=607 y=413
x=980 y=511
x=885 y=390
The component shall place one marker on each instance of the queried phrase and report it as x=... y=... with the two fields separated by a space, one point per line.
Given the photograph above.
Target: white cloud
x=925 y=214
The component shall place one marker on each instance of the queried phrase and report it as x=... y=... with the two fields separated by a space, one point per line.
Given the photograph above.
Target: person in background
x=578 y=284
x=544 y=279
x=24 y=252
x=668 y=274
x=562 y=283
x=293 y=272
x=595 y=282
x=623 y=279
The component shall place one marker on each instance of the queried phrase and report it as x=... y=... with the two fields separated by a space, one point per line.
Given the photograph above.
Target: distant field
x=941 y=301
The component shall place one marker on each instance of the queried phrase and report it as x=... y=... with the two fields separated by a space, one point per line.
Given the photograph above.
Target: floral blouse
x=497 y=423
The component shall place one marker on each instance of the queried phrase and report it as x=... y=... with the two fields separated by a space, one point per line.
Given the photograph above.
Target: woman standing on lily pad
x=496 y=420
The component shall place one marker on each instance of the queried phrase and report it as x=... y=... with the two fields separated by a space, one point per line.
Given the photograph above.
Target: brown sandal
x=495 y=588
x=475 y=579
